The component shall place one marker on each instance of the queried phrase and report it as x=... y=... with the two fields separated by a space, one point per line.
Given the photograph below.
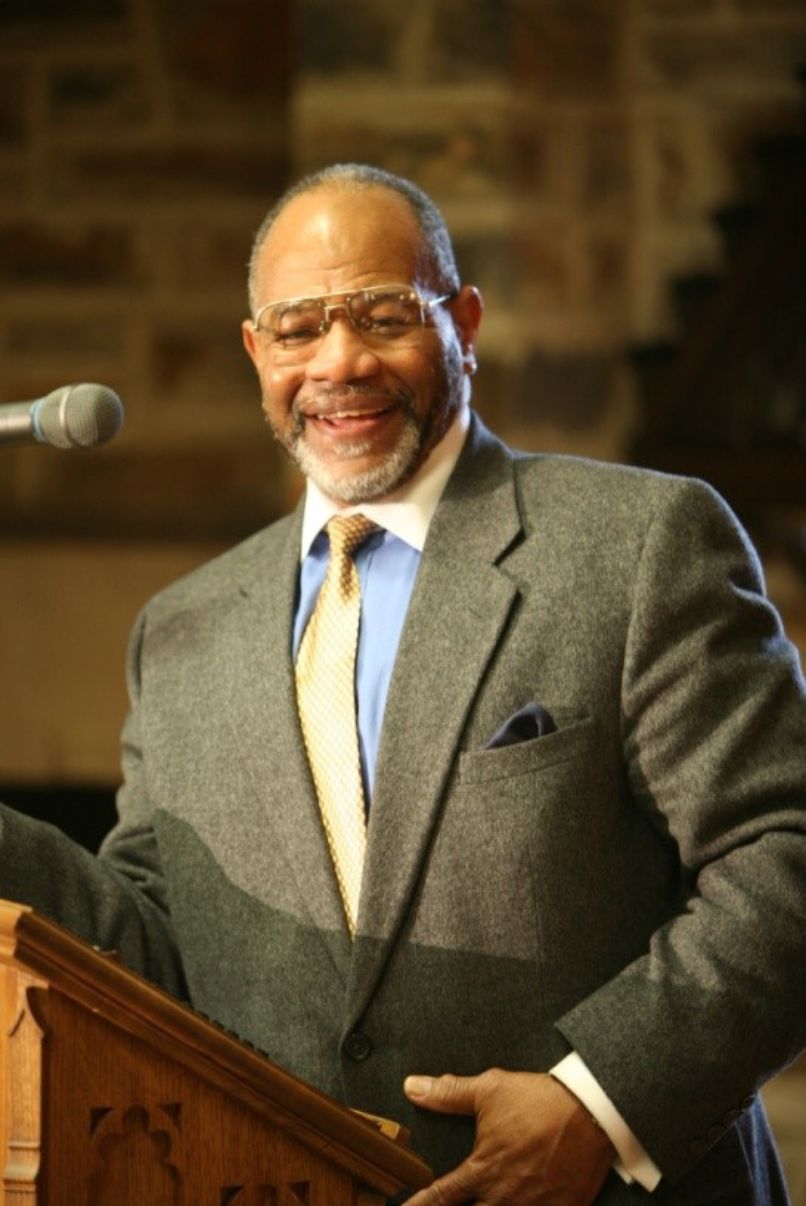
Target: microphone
x=75 y=416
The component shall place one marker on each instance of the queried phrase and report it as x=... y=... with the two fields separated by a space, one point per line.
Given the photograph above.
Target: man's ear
x=467 y=310
x=249 y=338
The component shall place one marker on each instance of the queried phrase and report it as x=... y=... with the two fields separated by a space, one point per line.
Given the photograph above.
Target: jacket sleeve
x=115 y=900
x=714 y=734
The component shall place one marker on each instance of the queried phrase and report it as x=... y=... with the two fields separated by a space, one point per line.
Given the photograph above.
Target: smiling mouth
x=350 y=416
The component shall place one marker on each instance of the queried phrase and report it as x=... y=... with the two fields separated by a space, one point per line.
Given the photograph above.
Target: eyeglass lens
x=385 y=313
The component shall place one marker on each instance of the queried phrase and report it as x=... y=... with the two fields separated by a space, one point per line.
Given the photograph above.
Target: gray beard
x=400 y=464
x=416 y=440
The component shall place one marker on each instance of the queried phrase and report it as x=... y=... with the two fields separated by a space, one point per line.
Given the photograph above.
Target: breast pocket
x=510 y=811
x=567 y=742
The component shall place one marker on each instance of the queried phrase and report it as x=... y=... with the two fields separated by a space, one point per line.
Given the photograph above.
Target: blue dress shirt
x=387 y=567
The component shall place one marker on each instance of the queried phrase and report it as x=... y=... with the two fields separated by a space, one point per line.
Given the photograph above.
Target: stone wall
x=139 y=146
x=577 y=148
x=578 y=151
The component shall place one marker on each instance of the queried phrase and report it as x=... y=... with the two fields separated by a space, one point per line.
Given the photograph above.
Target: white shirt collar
x=407 y=512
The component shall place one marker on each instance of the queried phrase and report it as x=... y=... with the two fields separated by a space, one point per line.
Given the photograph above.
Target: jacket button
x=357 y=1046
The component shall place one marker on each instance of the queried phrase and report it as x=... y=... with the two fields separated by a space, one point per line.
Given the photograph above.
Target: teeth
x=353 y=414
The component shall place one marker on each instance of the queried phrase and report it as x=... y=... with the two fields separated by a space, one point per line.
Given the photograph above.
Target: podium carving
x=115 y=1094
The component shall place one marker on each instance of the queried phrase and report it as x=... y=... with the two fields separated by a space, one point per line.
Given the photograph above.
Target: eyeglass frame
x=425 y=305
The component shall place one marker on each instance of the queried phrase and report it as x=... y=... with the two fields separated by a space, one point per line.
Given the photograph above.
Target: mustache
x=326 y=399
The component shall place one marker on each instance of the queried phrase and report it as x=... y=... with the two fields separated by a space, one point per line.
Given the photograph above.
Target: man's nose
x=342 y=354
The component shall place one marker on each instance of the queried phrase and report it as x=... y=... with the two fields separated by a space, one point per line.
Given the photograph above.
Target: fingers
x=445 y=1094
x=456 y=1187
x=534 y=1141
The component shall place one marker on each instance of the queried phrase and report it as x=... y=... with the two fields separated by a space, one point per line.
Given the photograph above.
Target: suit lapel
x=459 y=607
x=263 y=715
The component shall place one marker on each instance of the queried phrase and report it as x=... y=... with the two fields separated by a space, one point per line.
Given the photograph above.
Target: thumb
x=446 y=1094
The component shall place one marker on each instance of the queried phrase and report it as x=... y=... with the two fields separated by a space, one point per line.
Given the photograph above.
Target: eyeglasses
x=382 y=315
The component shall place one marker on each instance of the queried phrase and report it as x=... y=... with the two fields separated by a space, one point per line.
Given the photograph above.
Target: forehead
x=334 y=239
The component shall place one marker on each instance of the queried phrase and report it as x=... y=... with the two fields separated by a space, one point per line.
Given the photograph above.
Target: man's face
x=357 y=418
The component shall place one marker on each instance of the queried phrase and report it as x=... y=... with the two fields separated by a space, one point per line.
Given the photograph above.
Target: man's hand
x=535 y=1142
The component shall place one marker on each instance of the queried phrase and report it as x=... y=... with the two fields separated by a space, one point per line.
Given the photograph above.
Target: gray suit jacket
x=630 y=886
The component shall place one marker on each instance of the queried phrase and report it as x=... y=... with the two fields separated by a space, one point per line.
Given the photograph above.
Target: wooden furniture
x=115 y=1094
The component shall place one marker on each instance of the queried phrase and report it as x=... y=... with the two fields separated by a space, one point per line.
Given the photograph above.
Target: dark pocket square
x=532 y=720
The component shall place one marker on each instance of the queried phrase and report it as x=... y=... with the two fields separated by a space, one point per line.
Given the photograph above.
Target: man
x=574 y=924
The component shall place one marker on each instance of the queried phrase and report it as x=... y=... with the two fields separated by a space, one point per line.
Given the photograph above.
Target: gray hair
x=439 y=259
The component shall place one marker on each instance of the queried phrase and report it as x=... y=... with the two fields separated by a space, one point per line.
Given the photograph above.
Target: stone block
x=689 y=177
x=606 y=270
x=530 y=148
x=99 y=95
x=45 y=25
x=569 y=50
x=65 y=338
x=540 y=252
x=490 y=261
x=200 y=361
x=195 y=171
x=228 y=52
x=469 y=41
x=166 y=493
x=706 y=61
x=492 y=390
x=468 y=159
x=604 y=430
x=672 y=168
x=607 y=175
x=68 y=610
x=768 y=8
x=571 y=392
x=16 y=183
x=214 y=256
x=46 y=254
x=19 y=12
x=13 y=106
x=337 y=36
x=736 y=139
x=679 y=9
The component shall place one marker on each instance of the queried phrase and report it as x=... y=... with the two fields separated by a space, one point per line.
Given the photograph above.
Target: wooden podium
x=115 y=1094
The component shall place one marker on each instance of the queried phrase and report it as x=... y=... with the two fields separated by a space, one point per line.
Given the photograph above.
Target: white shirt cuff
x=632 y=1162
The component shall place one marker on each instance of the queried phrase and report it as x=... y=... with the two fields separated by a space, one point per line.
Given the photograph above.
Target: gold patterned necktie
x=325 y=674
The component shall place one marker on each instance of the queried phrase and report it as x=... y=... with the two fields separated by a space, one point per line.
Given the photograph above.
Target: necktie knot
x=347 y=532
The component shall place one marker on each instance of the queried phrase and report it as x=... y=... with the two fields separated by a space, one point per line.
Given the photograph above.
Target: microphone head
x=78 y=416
